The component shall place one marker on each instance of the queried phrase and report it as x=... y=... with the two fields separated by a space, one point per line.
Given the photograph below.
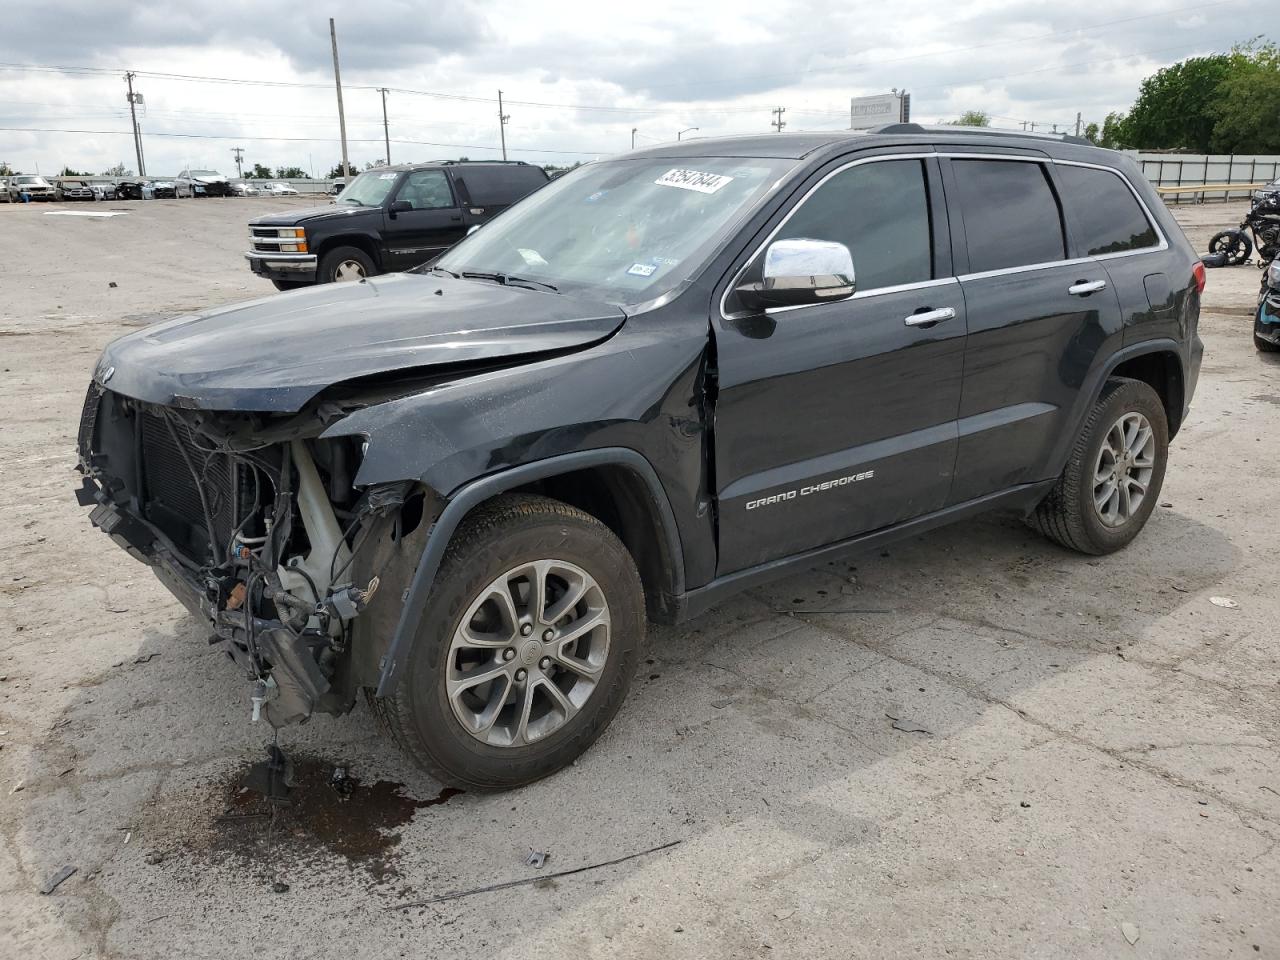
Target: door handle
x=927 y=317
x=1082 y=288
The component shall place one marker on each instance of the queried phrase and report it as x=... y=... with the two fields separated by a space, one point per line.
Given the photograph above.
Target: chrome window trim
x=790 y=213
x=957 y=278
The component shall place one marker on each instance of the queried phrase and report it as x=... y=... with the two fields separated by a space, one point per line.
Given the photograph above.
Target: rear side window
x=1011 y=216
x=500 y=186
x=1105 y=215
x=880 y=211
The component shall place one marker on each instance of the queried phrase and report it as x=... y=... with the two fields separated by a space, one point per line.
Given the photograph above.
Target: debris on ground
x=342 y=783
x=154 y=857
x=1131 y=932
x=279 y=887
x=57 y=879
x=459 y=894
x=1223 y=602
x=894 y=713
x=145 y=658
x=536 y=858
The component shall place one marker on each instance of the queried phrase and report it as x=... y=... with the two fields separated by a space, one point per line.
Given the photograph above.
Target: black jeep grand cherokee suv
x=660 y=379
x=388 y=218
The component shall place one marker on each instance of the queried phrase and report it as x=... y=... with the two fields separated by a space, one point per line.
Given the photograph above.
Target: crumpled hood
x=276 y=353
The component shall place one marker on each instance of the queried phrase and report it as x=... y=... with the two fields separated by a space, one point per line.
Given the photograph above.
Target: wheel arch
x=621 y=486
x=1161 y=369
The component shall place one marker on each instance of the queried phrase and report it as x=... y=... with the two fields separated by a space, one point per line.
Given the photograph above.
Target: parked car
x=1266 y=321
x=281 y=190
x=103 y=191
x=4 y=190
x=337 y=186
x=37 y=188
x=131 y=190
x=202 y=183
x=388 y=218
x=72 y=190
x=164 y=189
x=657 y=381
x=1270 y=189
x=243 y=189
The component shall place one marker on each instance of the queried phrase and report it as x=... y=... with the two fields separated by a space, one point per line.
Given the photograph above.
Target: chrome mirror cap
x=799 y=272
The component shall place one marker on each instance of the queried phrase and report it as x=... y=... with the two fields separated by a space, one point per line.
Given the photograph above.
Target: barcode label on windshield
x=693 y=180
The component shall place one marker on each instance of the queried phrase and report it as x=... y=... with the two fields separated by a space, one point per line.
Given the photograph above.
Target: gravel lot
x=1084 y=751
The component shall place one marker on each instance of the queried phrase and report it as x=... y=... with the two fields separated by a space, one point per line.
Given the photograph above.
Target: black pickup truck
x=660 y=379
x=387 y=219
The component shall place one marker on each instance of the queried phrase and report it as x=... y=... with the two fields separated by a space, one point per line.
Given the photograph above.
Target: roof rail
x=917 y=128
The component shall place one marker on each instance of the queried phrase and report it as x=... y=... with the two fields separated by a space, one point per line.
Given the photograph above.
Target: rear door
x=432 y=225
x=1037 y=320
x=488 y=190
x=839 y=418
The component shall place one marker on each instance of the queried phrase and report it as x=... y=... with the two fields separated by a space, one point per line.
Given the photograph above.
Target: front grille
x=265 y=232
x=172 y=491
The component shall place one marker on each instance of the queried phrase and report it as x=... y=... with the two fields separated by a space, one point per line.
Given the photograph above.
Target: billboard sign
x=884 y=108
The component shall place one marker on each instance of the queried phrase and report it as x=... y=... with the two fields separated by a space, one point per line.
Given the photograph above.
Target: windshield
x=205 y=173
x=28 y=179
x=368 y=189
x=625 y=231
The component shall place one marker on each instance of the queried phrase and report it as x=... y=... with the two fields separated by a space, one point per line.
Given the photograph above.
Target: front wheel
x=526 y=648
x=290 y=284
x=1233 y=245
x=345 y=263
x=1113 y=477
x=1265 y=346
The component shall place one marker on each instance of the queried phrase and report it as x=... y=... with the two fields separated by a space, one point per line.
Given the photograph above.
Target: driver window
x=427 y=190
x=880 y=211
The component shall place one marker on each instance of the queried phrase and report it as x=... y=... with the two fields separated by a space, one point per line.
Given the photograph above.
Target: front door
x=840 y=418
x=432 y=225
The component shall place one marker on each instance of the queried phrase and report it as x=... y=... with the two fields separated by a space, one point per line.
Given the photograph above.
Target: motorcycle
x=1263 y=225
x=1266 y=321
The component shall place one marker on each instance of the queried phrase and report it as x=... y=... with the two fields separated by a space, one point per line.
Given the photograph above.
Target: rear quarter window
x=1105 y=215
x=500 y=186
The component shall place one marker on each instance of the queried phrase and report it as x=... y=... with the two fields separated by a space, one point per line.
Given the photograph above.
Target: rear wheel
x=1113 y=477
x=1265 y=346
x=345 y=263
x=526 y=649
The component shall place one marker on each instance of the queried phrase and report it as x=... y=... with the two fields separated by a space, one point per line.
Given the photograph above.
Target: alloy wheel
x=349 y=270
x=1123 y=470
x=528 y=653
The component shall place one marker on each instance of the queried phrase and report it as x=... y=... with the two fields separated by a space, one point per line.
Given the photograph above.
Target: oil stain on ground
x=323 y=816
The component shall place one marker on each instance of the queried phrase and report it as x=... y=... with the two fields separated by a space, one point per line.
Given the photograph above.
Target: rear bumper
x=298 y=267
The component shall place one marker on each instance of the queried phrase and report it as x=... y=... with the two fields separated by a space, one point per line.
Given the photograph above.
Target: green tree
x=68 y=172
x=1246 y=110
x=1114 y=134
x=1091 y=132
x=973 y=118
x=1173 y=109
x=259 y=172
x=119 y=170
x=291 y=173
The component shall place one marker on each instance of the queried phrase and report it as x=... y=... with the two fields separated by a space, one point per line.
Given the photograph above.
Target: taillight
x=1197 y=272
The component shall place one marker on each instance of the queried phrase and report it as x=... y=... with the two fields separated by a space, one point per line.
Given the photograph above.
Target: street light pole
x=686 y=130
x=633 y=137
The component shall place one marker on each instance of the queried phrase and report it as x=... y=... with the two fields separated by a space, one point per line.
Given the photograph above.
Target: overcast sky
x=579 y=76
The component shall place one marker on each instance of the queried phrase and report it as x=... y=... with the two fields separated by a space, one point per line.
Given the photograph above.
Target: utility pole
x=239 y=155
x=337 y=80
x=386 y=131
x=1077 y=123
x=779 y=123
x=134 y=99
x=502 y=125
x=633 y=137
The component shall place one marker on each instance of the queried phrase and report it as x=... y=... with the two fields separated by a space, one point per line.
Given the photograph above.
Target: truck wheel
x=290 y=284
x=345 y=263
x=526 y=648
x=1113 y=477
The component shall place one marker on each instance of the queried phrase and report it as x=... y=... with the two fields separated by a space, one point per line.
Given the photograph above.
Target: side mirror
x=801 y=272
x=399 y=206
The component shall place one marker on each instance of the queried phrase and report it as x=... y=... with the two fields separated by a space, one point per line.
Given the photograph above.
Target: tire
x=1234 y=244
x=345 y=260
x=1070 y=514
x=290 y=284
x=488 y=549
x=1264 y=346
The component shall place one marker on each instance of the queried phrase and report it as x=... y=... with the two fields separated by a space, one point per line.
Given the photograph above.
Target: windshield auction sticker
x=693 y=180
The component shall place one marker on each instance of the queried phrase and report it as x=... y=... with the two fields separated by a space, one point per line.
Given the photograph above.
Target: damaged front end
x=256 y=526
